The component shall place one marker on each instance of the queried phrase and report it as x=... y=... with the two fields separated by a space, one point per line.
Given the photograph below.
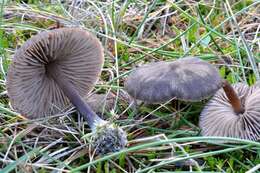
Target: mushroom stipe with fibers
x=233 y=111
x=54 y=68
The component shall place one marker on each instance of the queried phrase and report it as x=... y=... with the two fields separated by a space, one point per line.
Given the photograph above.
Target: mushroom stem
x=233 y=97
x=88 y=114
x=106 y=137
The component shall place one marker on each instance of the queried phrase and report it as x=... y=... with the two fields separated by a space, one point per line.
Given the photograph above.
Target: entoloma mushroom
x=233 y=111
x=101 y=102
x=189 y=79
x=105 y=102
x=54 y=68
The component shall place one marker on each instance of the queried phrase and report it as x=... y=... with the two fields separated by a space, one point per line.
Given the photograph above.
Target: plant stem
x=68 y=89
x=233 y=97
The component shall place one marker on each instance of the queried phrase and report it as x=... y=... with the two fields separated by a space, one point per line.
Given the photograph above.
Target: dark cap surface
x=189 y=79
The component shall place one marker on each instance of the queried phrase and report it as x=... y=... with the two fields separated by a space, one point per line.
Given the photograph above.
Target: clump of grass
x=162 y=137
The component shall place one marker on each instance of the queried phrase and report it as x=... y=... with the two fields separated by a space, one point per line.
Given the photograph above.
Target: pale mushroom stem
x=84 y=109
x=233 y=97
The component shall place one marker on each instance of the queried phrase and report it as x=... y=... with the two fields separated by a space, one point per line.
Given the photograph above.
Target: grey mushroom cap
x=105 y=102
x=219 y=119
x=189 y=79
x=101 y=102
x=75 y=52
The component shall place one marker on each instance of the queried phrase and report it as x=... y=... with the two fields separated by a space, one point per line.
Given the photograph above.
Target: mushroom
x=189 y=79
x=233 y=111
x=55 y=68
x=105 y=102
x=101 y=102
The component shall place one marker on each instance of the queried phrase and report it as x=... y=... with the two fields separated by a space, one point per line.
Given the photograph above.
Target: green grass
x=162 y=138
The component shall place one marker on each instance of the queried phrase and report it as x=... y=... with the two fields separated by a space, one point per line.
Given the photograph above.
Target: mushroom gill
x=219 y=117
x=74 y=52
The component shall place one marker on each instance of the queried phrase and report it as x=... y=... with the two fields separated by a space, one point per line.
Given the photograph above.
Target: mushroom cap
x=219 y=119
x=189 y=79
x=101 y=102
x=98 y=102
x=76 y=52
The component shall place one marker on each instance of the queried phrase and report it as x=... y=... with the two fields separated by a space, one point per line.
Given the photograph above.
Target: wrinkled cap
x=189 y=79
x=76 y=52
x=219 y=119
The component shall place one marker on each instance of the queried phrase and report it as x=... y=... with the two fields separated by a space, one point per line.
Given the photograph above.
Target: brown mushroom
x=54 y=68
x=189 y=79
x=233 y=111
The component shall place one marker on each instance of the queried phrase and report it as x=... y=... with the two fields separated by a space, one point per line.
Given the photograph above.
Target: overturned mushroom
x=54 y=68
x=233 y=111
x=189 y=79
